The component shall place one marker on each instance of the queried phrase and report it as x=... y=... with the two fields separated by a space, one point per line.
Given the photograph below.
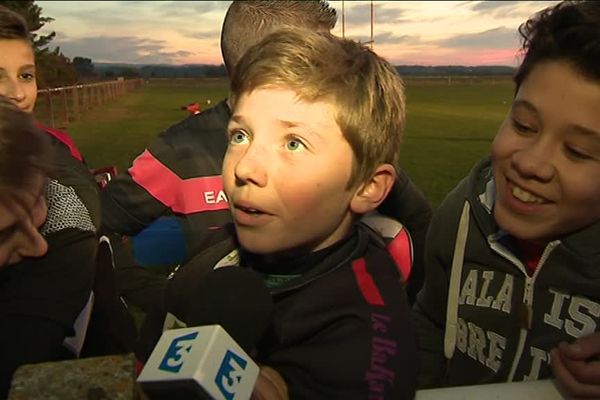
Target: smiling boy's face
x=286 y=173
x=546 y=155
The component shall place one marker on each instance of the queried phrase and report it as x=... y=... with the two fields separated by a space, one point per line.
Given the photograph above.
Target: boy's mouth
x=249 y=210
x=525 y=196
x=249 y=216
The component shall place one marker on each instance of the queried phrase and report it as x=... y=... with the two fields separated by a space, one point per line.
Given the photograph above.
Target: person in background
x=512 y=289
x=47 y=249
x=180 y=172
x=40 y=297
x=314 y=145
x=18 y=83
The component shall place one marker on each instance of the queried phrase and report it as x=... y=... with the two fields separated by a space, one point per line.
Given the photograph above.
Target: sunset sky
x=187 y=32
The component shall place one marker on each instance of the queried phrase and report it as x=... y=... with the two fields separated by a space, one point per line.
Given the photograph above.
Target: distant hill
x=160 y=70
x=206 y=70
x=454 y=70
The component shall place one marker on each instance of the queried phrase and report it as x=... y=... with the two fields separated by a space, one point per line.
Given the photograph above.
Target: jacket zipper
x=526 y=308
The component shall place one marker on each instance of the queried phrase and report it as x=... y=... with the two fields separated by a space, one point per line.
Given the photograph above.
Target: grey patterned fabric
x=65 y=210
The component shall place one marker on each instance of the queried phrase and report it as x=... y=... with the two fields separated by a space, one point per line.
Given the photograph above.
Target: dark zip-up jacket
x=342 y=330
x=481 y=310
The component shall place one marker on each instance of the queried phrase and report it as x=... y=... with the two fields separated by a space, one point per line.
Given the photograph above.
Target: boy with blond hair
x=179 y=175
x=314 y=142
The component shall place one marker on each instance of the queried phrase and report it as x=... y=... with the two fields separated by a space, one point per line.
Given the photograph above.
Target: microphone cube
x=198 y=363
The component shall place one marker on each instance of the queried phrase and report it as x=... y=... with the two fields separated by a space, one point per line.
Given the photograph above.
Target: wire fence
x=57 y=107
x=450 y=80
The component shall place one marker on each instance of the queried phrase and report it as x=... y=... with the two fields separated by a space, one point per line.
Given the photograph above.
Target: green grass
x=449 y=127
x=115 y=133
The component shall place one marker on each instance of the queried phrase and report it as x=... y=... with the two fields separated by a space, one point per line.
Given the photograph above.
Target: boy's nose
x=534 y=162
x=250 y=168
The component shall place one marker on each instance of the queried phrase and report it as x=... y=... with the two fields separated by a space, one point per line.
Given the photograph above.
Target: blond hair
x=365 y=90
x=248 y=22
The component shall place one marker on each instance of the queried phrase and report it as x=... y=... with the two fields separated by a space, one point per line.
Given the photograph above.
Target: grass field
x=449 y=127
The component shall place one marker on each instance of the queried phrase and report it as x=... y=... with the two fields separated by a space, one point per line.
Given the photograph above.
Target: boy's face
x=546 y=155
x=17 y=73
x=285 y=173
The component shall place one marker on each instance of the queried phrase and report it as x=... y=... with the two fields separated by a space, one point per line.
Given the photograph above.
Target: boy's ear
x=371 y=193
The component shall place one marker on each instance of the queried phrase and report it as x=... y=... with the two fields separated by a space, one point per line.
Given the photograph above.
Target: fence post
x=50 y=108
x=73 y=103
x=65 y=104
x=85 y=98
x=76 y=112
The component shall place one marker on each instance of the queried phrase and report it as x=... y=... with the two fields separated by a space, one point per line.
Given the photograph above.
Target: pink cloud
x=449 y=56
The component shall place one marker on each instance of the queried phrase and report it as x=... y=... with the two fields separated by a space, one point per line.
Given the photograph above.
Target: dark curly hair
x=569 y=32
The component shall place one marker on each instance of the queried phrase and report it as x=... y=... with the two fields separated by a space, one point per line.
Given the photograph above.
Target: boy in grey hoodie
x=512 y=286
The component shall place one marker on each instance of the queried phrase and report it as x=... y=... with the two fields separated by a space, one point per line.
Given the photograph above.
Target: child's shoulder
x=389 y=240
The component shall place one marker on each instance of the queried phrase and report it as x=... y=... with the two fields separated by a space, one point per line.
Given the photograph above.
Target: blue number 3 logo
x=230 y=374
x=179 y=349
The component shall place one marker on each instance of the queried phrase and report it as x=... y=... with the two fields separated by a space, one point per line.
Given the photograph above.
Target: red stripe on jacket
x=64 y=138
x=185 y=196
x=401 y=251
x=366 y=283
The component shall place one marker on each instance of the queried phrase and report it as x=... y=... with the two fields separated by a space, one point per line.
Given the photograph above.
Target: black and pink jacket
x=341 y=326
x=178 y=174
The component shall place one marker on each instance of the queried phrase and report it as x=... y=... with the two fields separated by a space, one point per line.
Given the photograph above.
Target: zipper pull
x=525 y=316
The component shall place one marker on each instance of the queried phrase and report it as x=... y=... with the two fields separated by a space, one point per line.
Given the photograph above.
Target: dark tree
x=54 y=69
x=84 y=67
x=33 y=16
x=129 y=73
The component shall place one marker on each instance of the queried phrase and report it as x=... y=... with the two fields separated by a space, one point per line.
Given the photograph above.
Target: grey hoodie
x=480 y=317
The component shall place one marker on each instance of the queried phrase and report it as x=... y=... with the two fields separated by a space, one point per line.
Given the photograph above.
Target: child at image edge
x=512 y=288
x=314 y=143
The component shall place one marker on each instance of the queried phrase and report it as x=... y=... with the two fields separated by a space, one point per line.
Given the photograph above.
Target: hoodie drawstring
x=454 y=287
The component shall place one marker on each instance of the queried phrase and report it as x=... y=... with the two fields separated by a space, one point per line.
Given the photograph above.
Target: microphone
x=229 y=313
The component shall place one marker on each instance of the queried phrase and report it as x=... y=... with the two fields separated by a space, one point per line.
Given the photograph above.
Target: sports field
x=450 y=124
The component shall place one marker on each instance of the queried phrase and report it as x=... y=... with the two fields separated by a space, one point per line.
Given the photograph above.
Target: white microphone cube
x=198 y=363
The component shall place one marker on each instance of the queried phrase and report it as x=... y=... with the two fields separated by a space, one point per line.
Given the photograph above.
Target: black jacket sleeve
x=40 y=298
x=190 y=149
x=127 y=207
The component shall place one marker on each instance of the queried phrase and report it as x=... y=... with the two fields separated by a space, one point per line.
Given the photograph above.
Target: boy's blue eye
x=294 y=145
x=238 y=137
